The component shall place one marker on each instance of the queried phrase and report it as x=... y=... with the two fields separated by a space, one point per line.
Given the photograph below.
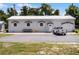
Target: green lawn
x=3 y=35
x=7 y=48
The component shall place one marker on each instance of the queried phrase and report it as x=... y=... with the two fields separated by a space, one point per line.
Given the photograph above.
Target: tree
x=73 y=11
x=11 y=12
x=56 y=12
x=3 y=17
x=46 y=9
x=77 y=13
x=33 y=11
x=24 y=11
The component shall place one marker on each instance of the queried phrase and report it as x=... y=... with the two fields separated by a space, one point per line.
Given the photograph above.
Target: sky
x=60 y=6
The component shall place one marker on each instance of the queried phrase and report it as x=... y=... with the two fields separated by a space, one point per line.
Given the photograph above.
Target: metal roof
x=39 y=17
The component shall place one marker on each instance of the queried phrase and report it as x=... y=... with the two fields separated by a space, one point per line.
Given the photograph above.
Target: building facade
x=40 y=23
x=2 y=26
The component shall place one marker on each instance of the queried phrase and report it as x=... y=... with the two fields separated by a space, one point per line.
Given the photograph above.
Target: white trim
x=39 y=17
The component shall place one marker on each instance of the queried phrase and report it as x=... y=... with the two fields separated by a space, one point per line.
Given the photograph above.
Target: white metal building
x=40 y=23
x=2 y=27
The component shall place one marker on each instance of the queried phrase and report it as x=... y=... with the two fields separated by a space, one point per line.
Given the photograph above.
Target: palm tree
x=3 y=17
x=33 y=11
x=72 y=10
x=46 y=9
x=11 y=12
x=24 y=11
x=56 y=12
x=77 y=13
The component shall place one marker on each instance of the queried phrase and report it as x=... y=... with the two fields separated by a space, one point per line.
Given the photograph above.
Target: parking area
x=40 y=37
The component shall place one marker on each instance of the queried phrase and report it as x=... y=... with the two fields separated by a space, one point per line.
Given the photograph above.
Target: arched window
x=15 y=24
x=41 y=24
x=28 y=24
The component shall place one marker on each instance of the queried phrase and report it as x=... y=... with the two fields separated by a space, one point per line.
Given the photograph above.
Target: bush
x=75 y=31
x=6 y=30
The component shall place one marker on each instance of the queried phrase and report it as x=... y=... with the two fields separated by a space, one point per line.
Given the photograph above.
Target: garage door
x=68 y=26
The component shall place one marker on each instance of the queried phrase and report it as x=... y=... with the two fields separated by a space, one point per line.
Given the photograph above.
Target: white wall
x=35 y=25
x=2 y=27
x=15 y=29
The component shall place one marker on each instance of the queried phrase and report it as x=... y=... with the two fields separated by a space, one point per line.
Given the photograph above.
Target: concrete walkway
x=35 y=33
x=40 y=37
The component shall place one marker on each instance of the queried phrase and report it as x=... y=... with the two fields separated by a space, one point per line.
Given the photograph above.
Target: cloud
x=2 y=5
x=27 y=4
x=23 y=4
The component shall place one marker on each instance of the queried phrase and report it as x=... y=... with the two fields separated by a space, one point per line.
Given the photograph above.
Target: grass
x=11 y=48
x=3 y=35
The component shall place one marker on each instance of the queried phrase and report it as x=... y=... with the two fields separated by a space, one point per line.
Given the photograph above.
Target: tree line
x=45 y=9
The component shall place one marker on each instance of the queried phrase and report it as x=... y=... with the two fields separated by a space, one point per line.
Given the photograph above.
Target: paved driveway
x=39 y=37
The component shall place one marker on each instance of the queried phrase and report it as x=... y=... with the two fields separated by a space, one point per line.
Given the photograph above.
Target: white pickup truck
x=59 y=31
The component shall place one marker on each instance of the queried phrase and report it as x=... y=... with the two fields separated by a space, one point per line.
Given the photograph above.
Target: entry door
x=50 y=27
